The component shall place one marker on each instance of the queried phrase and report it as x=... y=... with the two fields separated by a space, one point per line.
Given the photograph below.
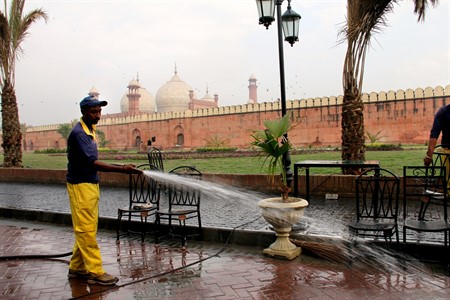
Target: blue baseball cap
x=90 y=101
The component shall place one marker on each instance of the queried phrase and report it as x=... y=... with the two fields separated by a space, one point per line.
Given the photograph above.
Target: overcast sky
x=214 y=43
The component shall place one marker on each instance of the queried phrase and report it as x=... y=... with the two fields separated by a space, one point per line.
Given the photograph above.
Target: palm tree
x=13 y=29
x=363 y=19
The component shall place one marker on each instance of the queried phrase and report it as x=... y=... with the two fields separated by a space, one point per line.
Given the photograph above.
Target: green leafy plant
x=102 y=141
x=373 y=138
x=216 y=141
x=274 y=144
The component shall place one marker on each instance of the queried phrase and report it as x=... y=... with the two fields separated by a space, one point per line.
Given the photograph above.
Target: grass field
x=392 y=160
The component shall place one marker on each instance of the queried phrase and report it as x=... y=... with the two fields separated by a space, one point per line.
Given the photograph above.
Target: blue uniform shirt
x=441 y=123
x=81 y=154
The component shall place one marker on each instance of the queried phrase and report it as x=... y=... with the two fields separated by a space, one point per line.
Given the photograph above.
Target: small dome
x=146 y=102
x=94 y=90
x=207 y=97
x=134 y=83
x=173 y=95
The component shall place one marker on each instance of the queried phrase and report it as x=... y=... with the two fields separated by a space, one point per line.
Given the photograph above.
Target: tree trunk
x=353 y=147
x=12 y=135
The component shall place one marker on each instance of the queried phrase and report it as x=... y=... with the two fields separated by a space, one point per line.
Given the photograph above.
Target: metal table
x=306 y=164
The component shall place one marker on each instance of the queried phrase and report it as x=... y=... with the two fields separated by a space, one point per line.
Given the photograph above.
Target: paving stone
x=165 y=271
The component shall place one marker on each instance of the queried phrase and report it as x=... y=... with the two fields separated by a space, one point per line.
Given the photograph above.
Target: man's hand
x=131 y=169
x=427 y=160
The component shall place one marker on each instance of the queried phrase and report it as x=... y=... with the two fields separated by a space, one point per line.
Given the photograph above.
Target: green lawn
x=392 y=160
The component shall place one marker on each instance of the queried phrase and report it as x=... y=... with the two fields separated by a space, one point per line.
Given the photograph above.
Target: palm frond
x=420 y=7
x=273 y=144
x=14 y=27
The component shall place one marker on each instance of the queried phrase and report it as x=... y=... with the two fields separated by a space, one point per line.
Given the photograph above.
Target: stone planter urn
x=282 y=216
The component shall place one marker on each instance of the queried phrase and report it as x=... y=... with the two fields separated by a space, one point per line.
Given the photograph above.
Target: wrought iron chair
x=425 y=200
x=144 y=196
x=441 y=158
x=183 y=204
x=377 y=204
x=155 y=159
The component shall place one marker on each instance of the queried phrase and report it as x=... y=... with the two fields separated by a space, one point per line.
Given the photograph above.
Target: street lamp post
x=289 y=24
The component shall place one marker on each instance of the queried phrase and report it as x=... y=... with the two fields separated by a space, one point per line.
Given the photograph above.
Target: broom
x=331 y=251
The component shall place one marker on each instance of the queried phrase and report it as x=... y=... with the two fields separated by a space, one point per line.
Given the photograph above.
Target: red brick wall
x=401 y=117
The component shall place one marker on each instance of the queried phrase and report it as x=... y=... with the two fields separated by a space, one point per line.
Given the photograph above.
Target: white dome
x=134 y=83
x=146 y=102
x=173 y=95
x=207 y=97
x=93 y=90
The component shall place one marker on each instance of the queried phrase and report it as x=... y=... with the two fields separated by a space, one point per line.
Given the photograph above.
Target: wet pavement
x=48 y=202
x=206 y=269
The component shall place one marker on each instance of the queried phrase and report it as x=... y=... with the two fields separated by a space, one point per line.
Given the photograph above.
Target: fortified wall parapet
x=402 y=116
x=115 y=119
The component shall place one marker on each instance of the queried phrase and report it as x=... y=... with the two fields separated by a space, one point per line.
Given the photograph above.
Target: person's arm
x=429 y=156
x=105 y=167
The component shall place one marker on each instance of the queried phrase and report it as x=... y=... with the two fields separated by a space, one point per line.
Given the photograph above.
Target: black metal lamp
x=266 y=11
x=288 y=23
x=291 y=22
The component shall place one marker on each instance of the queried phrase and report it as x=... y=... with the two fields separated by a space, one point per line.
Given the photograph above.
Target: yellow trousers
x=86 y=255
x=446 y=164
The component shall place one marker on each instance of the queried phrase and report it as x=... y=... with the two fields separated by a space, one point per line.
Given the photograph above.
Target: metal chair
x=144 y=196
x=183 y=204
x=377 y=204
x=155 y=159
x=425 y=200
x=441 y=158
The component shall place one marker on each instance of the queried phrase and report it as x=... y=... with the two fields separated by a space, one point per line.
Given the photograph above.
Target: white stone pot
x=282 y=216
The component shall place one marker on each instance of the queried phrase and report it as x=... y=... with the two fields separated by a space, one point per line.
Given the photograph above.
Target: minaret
x=93 y=93
x=252 y=90
x=133 y=96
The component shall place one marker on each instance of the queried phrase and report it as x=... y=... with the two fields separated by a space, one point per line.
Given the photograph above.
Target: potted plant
x=281 y=212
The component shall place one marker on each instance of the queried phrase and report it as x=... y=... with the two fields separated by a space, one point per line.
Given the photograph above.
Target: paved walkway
x=323 y=217
x=206 y=270
x=217 y=212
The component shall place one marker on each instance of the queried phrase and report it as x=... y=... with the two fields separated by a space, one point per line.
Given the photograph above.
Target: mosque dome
x=146 y=101
x=207 y=96
x=173 y=95
x=94 y=92
x=134 y=83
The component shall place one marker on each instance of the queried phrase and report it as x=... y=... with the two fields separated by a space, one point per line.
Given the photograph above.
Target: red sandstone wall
x=318 y=124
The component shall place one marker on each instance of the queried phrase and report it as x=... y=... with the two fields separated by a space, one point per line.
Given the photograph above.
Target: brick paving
x=207 y=270
x=203 y=271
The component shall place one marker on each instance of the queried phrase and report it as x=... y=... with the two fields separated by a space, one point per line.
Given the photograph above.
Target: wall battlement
x=382 y=96
x=403 y=117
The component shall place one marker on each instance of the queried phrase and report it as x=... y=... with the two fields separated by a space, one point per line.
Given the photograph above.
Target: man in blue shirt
x=441 y=123
x=84 y=193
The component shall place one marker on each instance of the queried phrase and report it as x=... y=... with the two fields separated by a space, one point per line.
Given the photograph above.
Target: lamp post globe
x=291 y=22
x=266 y=12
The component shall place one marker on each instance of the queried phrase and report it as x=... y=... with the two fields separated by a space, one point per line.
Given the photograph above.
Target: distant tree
x=13 y=29
x=101 y=139
x=65 y=129
x=23 y=129
x=364 y=17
